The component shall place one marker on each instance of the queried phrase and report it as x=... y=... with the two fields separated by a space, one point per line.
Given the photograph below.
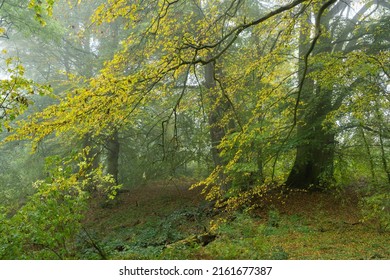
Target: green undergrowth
x=167 y=222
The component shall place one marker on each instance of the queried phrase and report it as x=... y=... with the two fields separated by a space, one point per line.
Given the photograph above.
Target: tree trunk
x=113 y=155
x=217 y=131
x=112 y=144
x=313 y=165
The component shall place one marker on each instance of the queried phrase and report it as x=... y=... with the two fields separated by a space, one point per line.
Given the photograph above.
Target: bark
x=113 y=155
x=313 y=165
x=112 y=144
x=217 y=131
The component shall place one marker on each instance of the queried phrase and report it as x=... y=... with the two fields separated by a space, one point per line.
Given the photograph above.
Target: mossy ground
x=164 y=220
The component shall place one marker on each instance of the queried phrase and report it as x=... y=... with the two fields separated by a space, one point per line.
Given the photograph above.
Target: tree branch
x=235 y=32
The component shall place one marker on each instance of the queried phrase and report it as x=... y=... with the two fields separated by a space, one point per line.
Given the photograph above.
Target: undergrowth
x=173 y=226
x=167 y=222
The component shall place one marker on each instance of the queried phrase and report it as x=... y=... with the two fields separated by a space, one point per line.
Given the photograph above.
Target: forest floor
x=168 y=221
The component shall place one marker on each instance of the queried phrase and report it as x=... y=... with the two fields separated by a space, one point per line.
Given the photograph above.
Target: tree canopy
x=245 y=96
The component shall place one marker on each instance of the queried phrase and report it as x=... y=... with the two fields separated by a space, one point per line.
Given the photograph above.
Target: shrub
x=376 y=208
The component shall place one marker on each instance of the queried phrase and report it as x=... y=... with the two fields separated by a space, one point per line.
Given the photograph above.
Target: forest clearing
x=194 y=129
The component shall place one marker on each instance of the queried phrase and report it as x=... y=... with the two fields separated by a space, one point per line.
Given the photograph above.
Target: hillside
x=168 y=221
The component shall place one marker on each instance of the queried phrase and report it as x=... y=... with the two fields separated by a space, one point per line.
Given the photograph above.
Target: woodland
x=195 y=129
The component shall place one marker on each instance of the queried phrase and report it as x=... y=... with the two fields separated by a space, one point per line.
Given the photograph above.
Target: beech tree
x=316 y=140
x=253 y=95
x=273 y=80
